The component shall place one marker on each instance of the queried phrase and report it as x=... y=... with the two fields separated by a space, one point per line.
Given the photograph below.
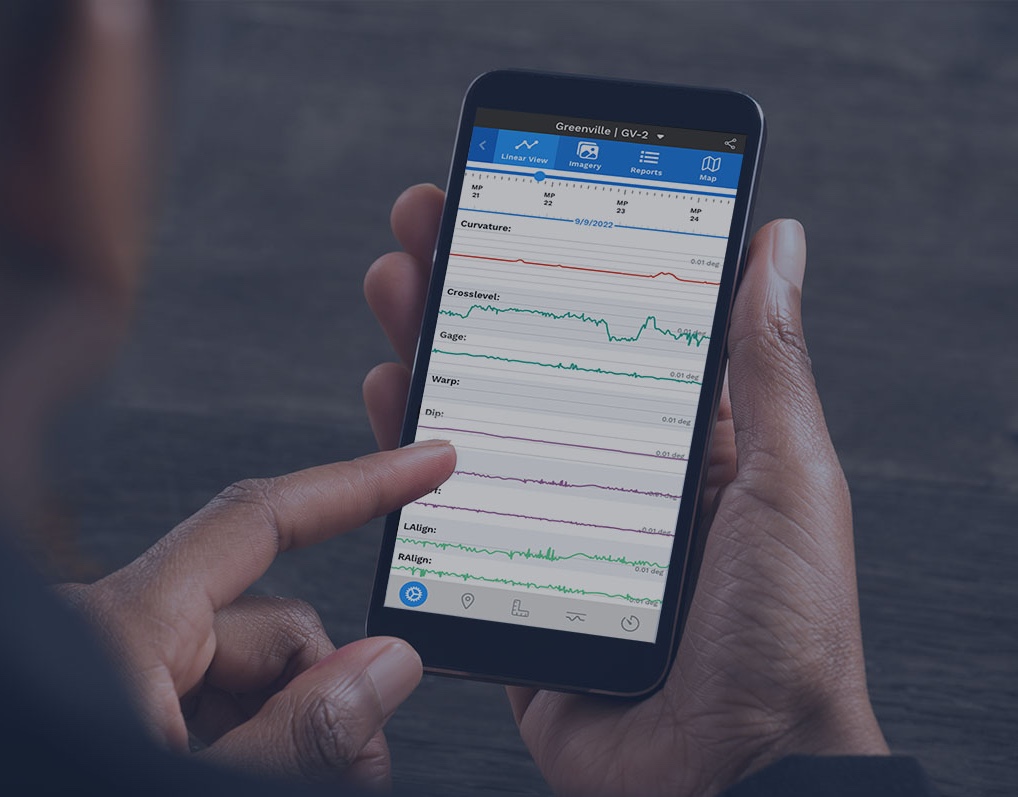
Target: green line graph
x=566 y=367
x=691 y=337
x=422 y=572
x=548 y=554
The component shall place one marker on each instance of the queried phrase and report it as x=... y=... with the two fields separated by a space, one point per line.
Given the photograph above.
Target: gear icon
x=413 y=593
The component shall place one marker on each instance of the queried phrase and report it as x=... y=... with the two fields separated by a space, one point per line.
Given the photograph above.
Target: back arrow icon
x=481 y=145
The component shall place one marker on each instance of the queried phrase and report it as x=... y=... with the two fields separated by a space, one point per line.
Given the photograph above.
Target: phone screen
x=566 y=367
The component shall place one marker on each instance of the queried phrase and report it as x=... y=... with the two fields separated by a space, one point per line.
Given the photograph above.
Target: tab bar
x=603 y=158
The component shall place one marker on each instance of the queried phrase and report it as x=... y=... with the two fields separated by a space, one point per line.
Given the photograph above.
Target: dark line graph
x=563 y=483
x=424 y=571
x=691 y=337
x=543 y=519
x=587 y=268
x=548 y=554
x=549 y=442
x=565 y=367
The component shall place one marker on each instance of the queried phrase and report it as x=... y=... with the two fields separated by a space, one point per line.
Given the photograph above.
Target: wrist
x=831 y=725
x=838 y=727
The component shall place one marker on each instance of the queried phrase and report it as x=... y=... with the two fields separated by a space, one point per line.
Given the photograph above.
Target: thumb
x=786 y=460
x=329 y=717
x=776 y=411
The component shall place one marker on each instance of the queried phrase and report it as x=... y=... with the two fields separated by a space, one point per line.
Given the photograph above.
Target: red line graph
x=585 y=268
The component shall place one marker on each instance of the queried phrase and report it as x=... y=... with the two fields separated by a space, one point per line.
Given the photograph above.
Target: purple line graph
x=563 y=483
x=546 y=519
x=549 y=442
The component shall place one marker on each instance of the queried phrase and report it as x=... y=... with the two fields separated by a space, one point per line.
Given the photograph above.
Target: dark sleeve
x=836 y=776
x=68 y=725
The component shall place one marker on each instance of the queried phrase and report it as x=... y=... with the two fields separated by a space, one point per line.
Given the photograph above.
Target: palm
x=590 y=745
x=770 y=660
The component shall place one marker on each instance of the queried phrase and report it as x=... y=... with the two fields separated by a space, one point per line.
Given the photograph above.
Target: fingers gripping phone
x=573 y=350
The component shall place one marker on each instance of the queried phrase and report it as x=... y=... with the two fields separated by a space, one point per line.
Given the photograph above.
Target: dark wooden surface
x=893 y=137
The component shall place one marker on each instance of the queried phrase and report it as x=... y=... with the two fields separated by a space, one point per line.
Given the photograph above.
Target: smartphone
x=573 y=350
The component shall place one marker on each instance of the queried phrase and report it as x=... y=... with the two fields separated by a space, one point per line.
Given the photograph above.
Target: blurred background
x=289 y=128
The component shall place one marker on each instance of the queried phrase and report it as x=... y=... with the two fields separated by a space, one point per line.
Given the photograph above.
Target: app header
x=712 y=140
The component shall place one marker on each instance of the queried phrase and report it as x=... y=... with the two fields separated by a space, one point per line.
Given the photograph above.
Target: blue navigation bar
x=643 y=160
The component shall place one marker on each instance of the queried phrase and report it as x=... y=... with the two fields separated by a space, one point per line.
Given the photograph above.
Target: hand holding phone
x=771 y=660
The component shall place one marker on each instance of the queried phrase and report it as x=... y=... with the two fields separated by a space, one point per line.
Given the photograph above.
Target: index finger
x=216 y=554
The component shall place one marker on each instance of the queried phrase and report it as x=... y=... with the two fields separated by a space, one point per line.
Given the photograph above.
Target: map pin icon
x=466 y=599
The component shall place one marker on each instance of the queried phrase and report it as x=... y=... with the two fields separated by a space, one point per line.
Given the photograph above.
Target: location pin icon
x=467 y=599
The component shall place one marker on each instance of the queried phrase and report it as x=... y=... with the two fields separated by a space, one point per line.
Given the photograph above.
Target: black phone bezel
x=565 y=661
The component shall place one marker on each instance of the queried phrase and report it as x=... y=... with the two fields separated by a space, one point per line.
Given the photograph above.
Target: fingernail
x=789 y=251
x=429 y=443
x=395 y=672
